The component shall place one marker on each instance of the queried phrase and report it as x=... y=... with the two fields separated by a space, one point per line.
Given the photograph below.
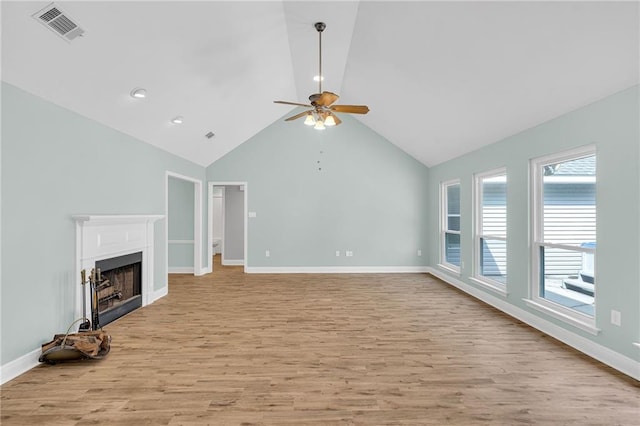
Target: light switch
x=252 y=214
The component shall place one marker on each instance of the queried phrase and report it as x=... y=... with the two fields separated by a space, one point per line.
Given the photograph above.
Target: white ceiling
x=441 y=78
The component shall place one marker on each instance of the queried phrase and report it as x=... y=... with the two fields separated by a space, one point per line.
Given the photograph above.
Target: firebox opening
x=119 y=289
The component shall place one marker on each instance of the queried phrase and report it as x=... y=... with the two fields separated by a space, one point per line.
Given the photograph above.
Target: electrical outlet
x=267 y=253
x=349 y=253
x=337 y=253
x=616 y=318
x=419 y=252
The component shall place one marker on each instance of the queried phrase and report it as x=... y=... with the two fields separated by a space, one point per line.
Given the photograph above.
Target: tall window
x=491 y=228
x=564 y=233
x=450 y=224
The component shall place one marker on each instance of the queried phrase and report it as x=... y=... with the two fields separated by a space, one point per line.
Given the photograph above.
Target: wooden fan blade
x=292 y=103
x=336 y=119
x=327 y=98
x=351 y=109
x=295 y=117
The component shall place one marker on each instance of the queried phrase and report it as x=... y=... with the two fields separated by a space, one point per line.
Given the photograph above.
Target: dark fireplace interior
x=119 y=289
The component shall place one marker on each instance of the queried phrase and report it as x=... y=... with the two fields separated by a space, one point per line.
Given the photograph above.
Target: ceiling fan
x=322 y=109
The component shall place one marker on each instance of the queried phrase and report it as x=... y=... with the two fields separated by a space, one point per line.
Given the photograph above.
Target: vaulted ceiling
x=441 y=78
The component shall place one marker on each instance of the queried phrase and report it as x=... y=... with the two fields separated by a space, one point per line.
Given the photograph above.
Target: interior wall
x=216 y=231
x=314 y=193
x=181 y=225
x=612 y=124
x=233 y=224
x=56 y=163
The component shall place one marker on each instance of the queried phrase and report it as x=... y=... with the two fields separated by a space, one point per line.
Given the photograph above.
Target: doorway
x=228 y=230
x=183 y=224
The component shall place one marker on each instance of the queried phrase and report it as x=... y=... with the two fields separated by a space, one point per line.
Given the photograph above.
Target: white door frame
x=197 y=221
x=210 y=220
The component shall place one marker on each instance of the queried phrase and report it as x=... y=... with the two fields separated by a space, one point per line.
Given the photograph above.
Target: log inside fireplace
x=119 y=289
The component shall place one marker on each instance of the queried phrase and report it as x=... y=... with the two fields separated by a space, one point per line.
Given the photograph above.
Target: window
x=491 y=228
x=450 y=225
x=564 y=234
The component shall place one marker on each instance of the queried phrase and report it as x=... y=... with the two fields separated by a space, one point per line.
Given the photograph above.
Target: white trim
x=18 y=366
x=572 y=154
x=498 y=175
x=636 y=344
x=443 y=224
x=101 y=237
x=447 y=267
x=536 y=210
x=337 y=269
x=552 y=312
x=210 y=197
x=565 y=247
x=232 y=262
x=116 y=219
x=500 y=289
x=181 y=241
x=197 y=219
x=211 y=184
x=159 y=294
x=603 y=354
x=180 y=270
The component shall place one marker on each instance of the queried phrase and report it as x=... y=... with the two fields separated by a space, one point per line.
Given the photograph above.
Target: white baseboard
x=603 y=354
x=181 y=269
x=158 y=294
x=336 y=269
x=232 y=262
x=13 y=369
x=205 y=270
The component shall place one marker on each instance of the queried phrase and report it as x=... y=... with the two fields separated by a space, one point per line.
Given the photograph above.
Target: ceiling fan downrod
x=320 y=26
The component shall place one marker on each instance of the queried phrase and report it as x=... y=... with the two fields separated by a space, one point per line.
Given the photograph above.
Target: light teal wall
x=612 y=124
x=233 y=223
x=56 y=163
x=369 y=196
x=181 y=222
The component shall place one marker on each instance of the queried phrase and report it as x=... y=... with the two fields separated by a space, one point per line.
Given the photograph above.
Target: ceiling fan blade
x=292 y=103
x=351 y=109
x=336 y=119
x=295 y=117
x=326 y=99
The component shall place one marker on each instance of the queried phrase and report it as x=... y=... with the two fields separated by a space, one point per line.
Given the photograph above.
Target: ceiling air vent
x=59 y=22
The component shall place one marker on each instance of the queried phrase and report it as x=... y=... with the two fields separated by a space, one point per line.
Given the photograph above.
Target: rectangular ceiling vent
x=59 y=22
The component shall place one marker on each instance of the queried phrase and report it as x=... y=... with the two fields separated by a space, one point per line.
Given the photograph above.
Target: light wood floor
x=230 y=348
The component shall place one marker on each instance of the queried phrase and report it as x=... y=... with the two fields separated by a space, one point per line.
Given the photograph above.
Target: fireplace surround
x=103 y=237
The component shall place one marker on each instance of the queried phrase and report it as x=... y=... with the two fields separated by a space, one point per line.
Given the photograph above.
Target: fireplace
x=122 y=246
x=119 y=288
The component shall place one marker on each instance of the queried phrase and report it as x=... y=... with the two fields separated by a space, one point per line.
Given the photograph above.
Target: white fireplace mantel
x=100 y=237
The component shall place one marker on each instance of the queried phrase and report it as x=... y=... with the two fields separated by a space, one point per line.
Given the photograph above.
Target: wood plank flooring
x=400 y=349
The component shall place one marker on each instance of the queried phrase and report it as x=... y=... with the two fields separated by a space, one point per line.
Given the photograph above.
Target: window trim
x=567 y=315
x=444 y=202
x=478 y=227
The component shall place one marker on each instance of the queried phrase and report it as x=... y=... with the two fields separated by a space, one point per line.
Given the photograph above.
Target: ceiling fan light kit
x=322 y=109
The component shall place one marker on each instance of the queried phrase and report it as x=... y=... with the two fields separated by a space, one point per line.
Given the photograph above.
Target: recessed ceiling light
x=139 y=93
x=178 y=120
x=318 y=78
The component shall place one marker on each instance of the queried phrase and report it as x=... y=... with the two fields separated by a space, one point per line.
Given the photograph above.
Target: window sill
x=502 y=291
x=582 y=325
x=450 y=269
